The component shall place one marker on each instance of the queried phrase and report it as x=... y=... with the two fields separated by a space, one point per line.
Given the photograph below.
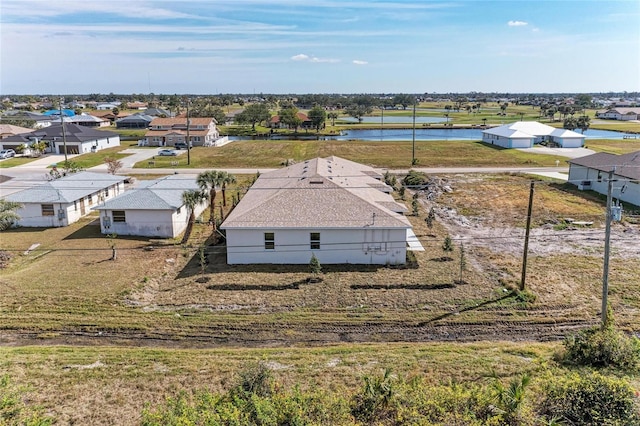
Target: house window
x=106 y=192
x=47 y=210
x=269 y=241
x=179 y=210
x=314 y=240
x=90 y=197
x=119 y=216
x=599 y=176
x=75 y=205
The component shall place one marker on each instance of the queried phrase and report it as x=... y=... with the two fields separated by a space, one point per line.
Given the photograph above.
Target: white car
x=7 y=153
x=167 y=153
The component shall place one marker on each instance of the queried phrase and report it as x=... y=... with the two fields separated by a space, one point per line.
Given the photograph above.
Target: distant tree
x=332 y=116
x=404 y=100
x=8 y=215
x=113 y=165
x=463 y=262
x=115 y=111
x=584 y=100
x=503 y=108
x=415 y=206
x=254 y=114
x=447 y=245
x=289 y=117
x=218 y=114
x=318 y=116
x=551 y=112
x=583 y=123
x=431 y=217
x=191 y=198
x=570 y=123
x=358 y=111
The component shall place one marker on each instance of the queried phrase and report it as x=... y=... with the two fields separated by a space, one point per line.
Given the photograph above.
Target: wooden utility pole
x=188 y=139
x=413 y=145
x=526 y=238
x=607 y=237
x=64 y=134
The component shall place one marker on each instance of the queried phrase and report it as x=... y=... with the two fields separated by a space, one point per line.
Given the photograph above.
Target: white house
x=524 y=134
x=592 y=171
x=620 y=113
x=153 y=209
x=333 y=208
x=63 y=201
x=77 y=139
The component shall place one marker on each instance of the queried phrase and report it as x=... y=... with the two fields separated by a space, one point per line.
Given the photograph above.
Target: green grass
x=92 y=159
x=614 y=146
x=267 y=153
x=15 y=161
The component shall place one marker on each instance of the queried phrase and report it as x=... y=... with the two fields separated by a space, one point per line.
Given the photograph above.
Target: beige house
x=336 y=209
x=169 y=131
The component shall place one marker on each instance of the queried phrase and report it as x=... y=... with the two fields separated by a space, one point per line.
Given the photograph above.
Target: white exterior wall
x=337 y=246
x=569 y=142
x=86 y=147
x=31 y=213
x=148 y=223
x=507 y=142
x=631 y=194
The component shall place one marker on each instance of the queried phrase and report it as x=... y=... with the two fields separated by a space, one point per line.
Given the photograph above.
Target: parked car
x=167 y=152
x=183 y=145
x=7 y=153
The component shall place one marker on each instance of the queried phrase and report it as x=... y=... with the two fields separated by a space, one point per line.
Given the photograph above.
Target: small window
x=119 y=216
x=599 y=176
x=315 y=241
x=75 y=205
x=269 y=241
x=179 y=210
x=106 y=192
x=47 y=210
x=90 y=197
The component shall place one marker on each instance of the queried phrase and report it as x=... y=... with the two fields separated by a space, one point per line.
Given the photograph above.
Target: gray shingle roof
x=627 y=165
x=320 y=193
x=67 y=189
x=159 y=194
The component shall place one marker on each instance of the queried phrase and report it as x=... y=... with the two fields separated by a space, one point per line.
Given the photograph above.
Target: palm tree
x=191 y=198
x=332 y=116
x=8 y=215
x=209 y=181
x=225 y=179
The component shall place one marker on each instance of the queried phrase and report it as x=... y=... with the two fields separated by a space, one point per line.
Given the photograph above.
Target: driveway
x=562 y=152
x=134 y=155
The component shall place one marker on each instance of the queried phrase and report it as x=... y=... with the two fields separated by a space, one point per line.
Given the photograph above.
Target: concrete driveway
x=562 y=152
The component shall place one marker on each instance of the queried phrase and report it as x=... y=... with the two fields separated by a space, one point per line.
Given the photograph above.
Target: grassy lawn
x=271 y=154
x=96 y=158
x=15 y=161
x=614 y=146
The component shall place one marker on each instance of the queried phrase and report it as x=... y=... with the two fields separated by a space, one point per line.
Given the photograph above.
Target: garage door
x=71 y=149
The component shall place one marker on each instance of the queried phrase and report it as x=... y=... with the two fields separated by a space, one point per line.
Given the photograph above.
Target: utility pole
x=413 y=145
x=526 y=238
x=64 y=134
x=607 y=237
x=188 y=139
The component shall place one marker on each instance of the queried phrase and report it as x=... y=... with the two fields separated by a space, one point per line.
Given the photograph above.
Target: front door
x=82 y=209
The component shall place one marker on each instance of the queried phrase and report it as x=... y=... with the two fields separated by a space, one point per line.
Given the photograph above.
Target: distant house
x=137 y=105
x=524 y=134
x=305 y=123
x=620 y=113
x=134 y=121
x=169 y=131
x=7 y=130
x=103 y=107
x=332 y=208
x=592 y=172
x=157 y=112
x=78 y=139
x=86 y=120
x=153 y=209
x=63 y=201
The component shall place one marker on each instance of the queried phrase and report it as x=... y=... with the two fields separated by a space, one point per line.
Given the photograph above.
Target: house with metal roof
x=153 y=209
x=620 y=113
x=591 y=172
x=134 y=121
x=63 y=201
x=524 y=134
x=336 y=209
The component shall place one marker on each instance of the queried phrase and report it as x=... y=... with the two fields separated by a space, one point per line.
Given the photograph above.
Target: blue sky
x=321 y=46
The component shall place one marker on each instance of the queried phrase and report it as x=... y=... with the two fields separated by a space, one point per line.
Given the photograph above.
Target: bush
x=602 y=347
x=590 y=399
x=374 y=400
x=415 y=178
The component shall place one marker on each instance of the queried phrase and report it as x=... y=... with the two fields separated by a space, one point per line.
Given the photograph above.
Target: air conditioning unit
x=585 y=184
x=61 y=214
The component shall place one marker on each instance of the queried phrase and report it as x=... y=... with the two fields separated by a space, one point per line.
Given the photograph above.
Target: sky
x=318 y=46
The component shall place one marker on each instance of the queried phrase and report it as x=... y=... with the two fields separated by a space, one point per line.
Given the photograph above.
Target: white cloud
x=517 y=23
x=358 y=62
x=306 y=58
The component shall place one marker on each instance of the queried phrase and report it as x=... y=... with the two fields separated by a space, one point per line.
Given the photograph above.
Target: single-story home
x=153 y=209
x=78 y=139
x=333 y=208
x=134 y=121
x=524 y=134
x=63 y=201
x=84 y=119
x=7 y=130
x=305 y=123
x=592 y=172
x=620 y=113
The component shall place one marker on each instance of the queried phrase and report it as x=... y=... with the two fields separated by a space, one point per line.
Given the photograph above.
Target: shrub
x=590 y=399
x=602 y=347
x=415 y=178
x=374 y=400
